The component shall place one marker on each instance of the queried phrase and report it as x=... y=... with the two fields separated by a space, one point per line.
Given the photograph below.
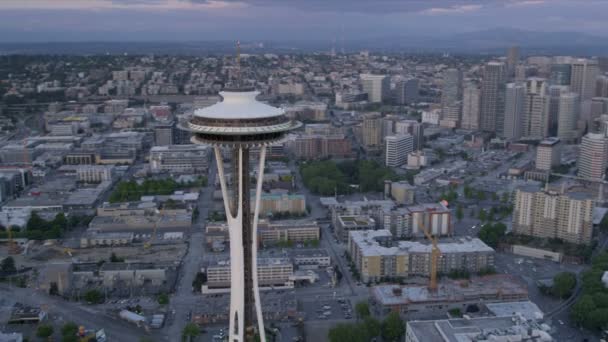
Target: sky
x=318 y=20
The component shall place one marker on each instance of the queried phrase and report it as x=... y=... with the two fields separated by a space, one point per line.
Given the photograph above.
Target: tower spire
x=238 y=64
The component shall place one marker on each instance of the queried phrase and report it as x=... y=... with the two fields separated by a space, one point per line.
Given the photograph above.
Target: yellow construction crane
x=148 y=244
x=13 y=248
x=435 y=253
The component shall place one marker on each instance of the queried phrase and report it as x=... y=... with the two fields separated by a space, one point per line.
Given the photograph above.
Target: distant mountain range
x=493 y=41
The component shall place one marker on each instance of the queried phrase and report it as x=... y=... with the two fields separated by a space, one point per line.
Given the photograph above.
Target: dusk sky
x=124 y=20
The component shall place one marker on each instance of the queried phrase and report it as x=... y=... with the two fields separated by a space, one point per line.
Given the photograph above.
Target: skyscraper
x=470 y=106
x=371 y=131
x=492 y=97
x=514 y=109
x=601 y=87
x=376 y=87
x=407 y=91
x=548 y=154
x=583 y=77
x=555 y=92
x=397 y=149
x=560 y=74
x=239 y=123
x=536 y=109
x=451 y=96
x=567 y=116
x=593 y=156
x=414 y=128
x=512 y=59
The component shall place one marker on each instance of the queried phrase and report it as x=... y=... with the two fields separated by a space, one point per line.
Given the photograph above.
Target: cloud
x=457 y=9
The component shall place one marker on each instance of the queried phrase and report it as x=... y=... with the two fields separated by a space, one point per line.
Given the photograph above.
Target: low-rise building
x=311 y=258
x=94 y=173
x=503 y=328
x=281 y=203
x=141 y=224
x=322 y=146
x=93 y=239
x=376 y=257
x=402 y=192
x=179 y=158
x=349 y=223
x=288 y=230
x=417 y=301
x=272 y=273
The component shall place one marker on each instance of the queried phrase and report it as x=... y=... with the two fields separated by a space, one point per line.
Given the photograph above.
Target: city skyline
x=146 y=20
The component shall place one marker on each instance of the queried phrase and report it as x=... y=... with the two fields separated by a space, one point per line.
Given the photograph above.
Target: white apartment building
x=397 y=149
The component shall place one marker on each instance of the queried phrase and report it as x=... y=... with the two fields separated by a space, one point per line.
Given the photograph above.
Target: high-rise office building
x=239 y=123
x=551 y=214
x=601 y=86
x=560 y=74
x=583 y=77
x=593 y=156
x=407 y=91
x=514 y=110
x=512 y=59
x=555 y=92
x=451 y=96
x=371 y=131
x=492 y=97
x=567 y=116
x=535 y=123
x=414 y=128
x=376 y=87
x=602 y=63
x=470 y=106
x=548 y=154
x=397 y=149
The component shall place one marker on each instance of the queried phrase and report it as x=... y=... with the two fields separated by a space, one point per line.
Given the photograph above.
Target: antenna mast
x=238 y=64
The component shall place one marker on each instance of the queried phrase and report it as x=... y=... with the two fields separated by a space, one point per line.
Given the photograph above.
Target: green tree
x=597 y=319
x=459 y=212
x=68 y=332
x=93 y=297
x=372 y=326
x=36 y=222
x=8 y=265
x=582 y=309
x=392 y=327
x=362 y=310
x=115 y=258
x=505 y=197
x=563 y=284
x=604 y=224
x=190 y=331
x=44 y=331
x=491 y=234
x=163 y=299
x=482 y=215
x=340 y=333
x=481 y=195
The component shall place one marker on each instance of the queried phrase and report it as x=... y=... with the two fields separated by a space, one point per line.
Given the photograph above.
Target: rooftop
x=236 y=105
x=506 y=328
x=368 y=242
x=487 y=287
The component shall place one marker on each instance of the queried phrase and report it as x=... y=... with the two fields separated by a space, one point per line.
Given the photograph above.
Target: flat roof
x=526 y=308
x=506 y=328
x=451 y=290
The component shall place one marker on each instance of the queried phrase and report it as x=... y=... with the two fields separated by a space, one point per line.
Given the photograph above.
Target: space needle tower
x=239 y=123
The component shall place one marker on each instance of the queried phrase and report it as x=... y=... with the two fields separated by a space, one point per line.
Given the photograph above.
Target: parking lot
x=326 y=308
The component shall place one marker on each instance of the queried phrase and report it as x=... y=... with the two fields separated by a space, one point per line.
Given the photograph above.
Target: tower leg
x=235 y=225
x=254 y=246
